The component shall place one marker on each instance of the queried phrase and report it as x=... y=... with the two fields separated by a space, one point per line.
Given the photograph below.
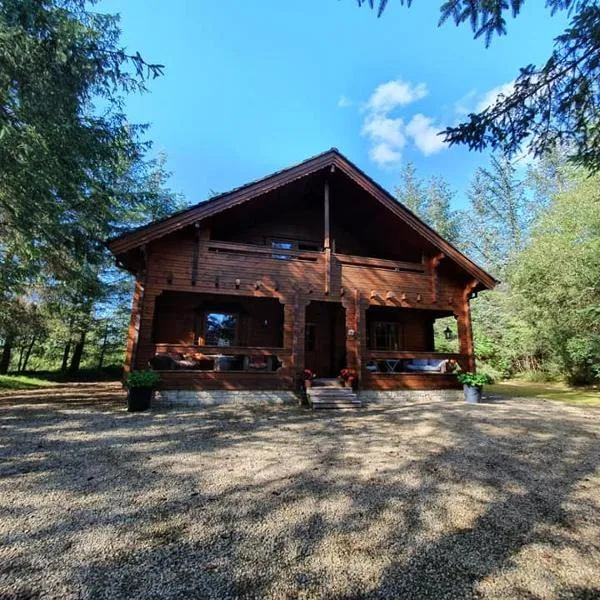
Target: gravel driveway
x=434 y=500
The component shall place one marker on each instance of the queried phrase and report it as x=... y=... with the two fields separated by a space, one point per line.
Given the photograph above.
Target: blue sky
x=253 y=86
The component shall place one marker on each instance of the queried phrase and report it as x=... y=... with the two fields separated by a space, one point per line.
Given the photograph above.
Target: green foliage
x=558 y=280
x=64 y=140
x=473 y=379
x=499 y=214
x=73 y=172
x=431 y=201
x=441 y=344
x=21 y=382
x=137 y=379
x=555 y=104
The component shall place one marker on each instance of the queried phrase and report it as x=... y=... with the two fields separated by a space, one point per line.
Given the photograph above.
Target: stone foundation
x=397 y=397
x=203 y=398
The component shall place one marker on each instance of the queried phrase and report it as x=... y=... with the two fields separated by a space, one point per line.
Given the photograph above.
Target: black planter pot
x=139 y=398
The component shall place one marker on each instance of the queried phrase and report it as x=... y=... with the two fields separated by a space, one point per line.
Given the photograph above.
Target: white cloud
x=489 y=98
x=344 y=102
x=379 y=128
x=386 y=130
x=384 y=155
x=395 y=93
x=463 y=106
x=425 y=135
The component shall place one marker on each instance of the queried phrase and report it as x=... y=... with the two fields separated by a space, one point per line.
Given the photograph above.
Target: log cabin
x=313 y=267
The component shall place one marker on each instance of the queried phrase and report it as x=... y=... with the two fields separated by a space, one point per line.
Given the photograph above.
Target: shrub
x=137 y=379
x=474 y=379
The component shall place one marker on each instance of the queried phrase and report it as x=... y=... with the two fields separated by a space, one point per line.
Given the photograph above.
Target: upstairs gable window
x=282 y=245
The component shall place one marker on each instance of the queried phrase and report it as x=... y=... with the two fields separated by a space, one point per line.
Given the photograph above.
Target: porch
x=222 y=341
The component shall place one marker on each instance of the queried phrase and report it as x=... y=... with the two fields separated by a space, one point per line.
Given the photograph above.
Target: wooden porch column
x=327 y=239
x=294 y=322
x=145 y=346
x=465 y=329
x=355 y=324
x=134 y=323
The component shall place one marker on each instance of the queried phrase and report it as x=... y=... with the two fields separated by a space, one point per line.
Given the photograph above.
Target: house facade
x=314 y=267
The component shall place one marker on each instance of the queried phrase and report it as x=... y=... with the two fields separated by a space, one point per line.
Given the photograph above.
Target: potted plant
x=307 y=377
x=141 y=384
x=473 y=384
x=349 y=377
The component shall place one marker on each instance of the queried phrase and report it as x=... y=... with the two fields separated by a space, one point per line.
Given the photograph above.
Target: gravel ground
x=427 y=500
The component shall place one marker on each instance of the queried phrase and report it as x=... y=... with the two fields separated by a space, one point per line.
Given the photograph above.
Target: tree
x=430 y=201
x=555 y=104
x=557 y=278
x=439 y=210
x=499 y=215
x=64 y=140
x=411 y=190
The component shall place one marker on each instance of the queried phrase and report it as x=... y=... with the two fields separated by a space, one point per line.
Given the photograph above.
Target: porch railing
x=262 y=251
x=380 y=263
x=225 y=358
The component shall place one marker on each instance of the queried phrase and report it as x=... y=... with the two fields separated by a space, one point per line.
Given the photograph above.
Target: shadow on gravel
x=427 y=500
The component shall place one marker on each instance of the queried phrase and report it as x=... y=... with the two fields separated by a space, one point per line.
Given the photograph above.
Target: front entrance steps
x=329 y=393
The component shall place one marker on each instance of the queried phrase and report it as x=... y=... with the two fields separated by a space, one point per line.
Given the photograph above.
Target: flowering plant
x=308 y=375
x=347 y=374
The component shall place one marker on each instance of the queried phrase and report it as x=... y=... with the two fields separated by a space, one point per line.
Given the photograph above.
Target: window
x=221 y=329
x=282 y=245
x=309 y=337
x=386 y=336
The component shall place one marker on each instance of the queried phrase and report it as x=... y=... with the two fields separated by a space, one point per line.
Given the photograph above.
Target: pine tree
x=431 y=202
x=496 y=224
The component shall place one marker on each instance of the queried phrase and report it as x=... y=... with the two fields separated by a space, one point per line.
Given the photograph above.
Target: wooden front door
x=324 y=340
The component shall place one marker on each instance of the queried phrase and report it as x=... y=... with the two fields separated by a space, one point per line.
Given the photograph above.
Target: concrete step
x=332 y=397
x=331 y=391
x=336 y=404
x=326 y=382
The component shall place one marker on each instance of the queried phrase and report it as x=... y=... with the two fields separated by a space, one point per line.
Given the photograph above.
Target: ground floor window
x=385 y=335
x=221 y=329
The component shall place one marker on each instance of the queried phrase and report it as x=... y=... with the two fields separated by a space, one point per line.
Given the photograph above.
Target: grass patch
x=584 y=396
x=22 y=382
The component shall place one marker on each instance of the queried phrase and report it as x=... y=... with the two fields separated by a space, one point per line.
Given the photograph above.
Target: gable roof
x=240 y=195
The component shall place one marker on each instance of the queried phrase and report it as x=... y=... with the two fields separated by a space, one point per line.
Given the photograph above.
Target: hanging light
x=448 y=333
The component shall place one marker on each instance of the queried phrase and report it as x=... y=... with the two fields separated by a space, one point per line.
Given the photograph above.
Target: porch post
x=144 y=350
x=465 y=329
x=355 y=322
x=294 y=319
x=133 y=331
x=327 y=239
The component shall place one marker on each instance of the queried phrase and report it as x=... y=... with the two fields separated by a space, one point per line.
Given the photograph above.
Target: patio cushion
x=424 y=365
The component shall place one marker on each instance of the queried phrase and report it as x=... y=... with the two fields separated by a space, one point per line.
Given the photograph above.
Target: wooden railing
x=211 y=358
x=380 y=263
x=263 y=251
x=225 y=350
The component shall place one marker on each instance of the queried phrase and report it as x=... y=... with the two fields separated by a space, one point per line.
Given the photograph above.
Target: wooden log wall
x=189 y=261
